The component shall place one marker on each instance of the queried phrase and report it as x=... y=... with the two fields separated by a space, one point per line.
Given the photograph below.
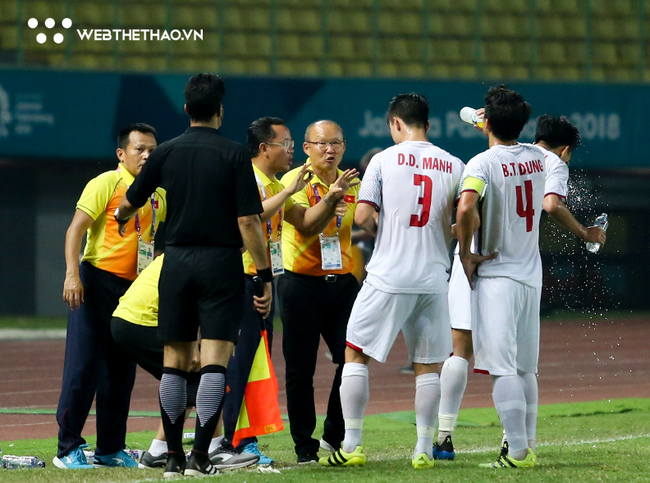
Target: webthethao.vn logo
x=105 y=35
x=50 y=23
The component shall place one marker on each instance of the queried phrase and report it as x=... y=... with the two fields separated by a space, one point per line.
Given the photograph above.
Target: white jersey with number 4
x=510 y=210
x=413 y=185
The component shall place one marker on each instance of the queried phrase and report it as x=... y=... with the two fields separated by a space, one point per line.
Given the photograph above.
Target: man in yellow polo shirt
x=317 y=289
x=271 y=149
x=93 y=363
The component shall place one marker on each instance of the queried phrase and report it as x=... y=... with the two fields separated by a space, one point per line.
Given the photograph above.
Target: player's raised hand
x=344 y=183
x=471 y=261
x=480 y=113
x=300 y=181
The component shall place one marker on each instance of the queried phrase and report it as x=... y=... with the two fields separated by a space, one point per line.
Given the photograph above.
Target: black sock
x=173 y=401
x=209 y=401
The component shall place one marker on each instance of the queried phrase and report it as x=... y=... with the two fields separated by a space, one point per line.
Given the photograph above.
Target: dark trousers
x=241 y=362
x=312 y=307
x=94 y=364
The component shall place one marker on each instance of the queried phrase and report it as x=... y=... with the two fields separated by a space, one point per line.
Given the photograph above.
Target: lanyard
x=269 y=228
x=153 y=220
x=339 y=218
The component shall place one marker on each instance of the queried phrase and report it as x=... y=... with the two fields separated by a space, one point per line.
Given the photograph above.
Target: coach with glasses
x=317 y=288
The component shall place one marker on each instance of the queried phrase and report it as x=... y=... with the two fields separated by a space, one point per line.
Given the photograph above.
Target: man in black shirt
x=213 y=210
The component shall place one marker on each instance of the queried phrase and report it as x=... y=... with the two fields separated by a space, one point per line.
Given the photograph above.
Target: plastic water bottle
x=468 y=114
x=601 y=221
x=11 y=462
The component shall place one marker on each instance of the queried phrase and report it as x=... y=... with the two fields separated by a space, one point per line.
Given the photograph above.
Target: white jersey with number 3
x=510 y=210
x=413 y=185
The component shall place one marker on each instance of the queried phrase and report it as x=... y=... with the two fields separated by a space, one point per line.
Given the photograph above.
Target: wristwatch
x=119 y=222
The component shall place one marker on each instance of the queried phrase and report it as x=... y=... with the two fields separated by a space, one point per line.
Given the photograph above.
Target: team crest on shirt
x=349 y=198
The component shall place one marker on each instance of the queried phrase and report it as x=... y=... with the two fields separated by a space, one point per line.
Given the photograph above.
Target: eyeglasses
x=336 y=145
x=287 y=144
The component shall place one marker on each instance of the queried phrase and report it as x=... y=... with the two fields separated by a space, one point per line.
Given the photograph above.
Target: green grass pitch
x=580 y=442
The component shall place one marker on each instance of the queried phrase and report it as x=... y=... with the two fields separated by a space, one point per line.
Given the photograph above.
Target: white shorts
x=460 y=297
x=377 y=317
x=505 y=326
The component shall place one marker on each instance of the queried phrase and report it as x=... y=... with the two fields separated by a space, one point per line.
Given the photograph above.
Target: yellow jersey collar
x=126 y=175
x=262 y=177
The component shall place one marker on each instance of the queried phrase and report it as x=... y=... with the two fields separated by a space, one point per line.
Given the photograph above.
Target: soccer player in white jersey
x=508 y=180
x=406 y=200
x=557 y=138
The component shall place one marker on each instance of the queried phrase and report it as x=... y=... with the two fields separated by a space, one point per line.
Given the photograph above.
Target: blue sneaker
x=251 y=448
x=74 y=460
x=121 y=459
x=444 y=451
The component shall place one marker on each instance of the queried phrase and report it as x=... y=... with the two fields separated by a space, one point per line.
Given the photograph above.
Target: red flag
x=260 y=411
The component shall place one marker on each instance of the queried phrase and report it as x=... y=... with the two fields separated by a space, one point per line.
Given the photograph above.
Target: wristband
x=119 y=222
x=265 y=274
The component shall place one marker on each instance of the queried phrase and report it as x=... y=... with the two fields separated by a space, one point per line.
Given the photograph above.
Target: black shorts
x=140 y=343
x=200 y=287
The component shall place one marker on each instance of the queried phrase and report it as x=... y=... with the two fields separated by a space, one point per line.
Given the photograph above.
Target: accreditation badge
x=145 y=255
x=277 y=264
x=330 y=253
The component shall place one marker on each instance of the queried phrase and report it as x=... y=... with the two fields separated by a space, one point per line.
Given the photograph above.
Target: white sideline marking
x=486 y=449
x=31 y=334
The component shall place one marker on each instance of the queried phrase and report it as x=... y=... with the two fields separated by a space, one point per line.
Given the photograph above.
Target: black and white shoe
x=175 y=465
x=147 y=460
x=199 y=465
x=225 y=457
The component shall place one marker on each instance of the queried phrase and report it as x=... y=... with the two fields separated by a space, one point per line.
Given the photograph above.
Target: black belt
x=329 y=278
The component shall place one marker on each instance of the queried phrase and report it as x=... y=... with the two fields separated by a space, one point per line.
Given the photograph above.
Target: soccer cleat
x=341 y=458
x=306 y=459
x=506 y=461
x=326 y=446
x=251 y=448
x=422 y=461
x=175 y=465
x=504 y=447
x=444 y=451
x=227 y=458
x=121 y=459
x=199 y=465
x=147 y=460
x=74 y=460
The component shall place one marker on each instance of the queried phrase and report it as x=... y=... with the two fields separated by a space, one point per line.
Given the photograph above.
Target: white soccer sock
x=158 y=447
x=529 y=384
x=510 y=404
x=453 y=381
x=355 y=393
x=427 y=401
x=215 y=443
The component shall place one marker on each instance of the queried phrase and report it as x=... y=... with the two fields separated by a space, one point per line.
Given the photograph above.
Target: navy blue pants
x=94 y=364
x=240 y=364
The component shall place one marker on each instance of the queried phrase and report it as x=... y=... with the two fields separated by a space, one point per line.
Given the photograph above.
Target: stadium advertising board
x=67 y=115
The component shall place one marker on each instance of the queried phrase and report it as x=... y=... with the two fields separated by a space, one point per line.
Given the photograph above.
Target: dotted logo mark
x=41 y=38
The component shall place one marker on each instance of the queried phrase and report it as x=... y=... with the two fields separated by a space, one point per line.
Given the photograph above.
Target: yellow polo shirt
x=105 y=248
x=271 y=188
x=139 y=305
x=301 y=254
